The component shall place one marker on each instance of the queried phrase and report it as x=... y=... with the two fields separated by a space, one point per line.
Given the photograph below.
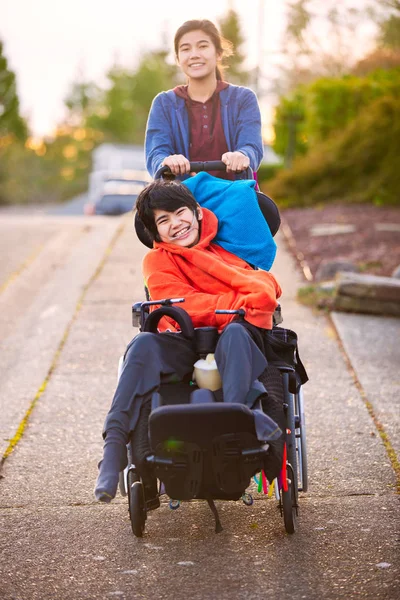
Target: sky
x=49 y=44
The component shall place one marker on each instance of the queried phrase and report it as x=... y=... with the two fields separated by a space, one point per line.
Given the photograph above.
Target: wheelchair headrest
x=174 y=312
x=270 y=212
x=142 y=232
x=267 y=206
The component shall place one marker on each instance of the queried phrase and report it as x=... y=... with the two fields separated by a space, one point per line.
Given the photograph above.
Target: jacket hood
x=208 y=231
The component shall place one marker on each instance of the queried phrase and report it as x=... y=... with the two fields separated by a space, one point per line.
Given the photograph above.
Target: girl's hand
x=178 y=164
x=235 y=161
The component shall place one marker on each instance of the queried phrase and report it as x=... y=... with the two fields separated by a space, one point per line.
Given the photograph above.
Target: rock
x=396 y=272
x=331 y=229
x=329 y=268
x=367 y=294
x=387 y=226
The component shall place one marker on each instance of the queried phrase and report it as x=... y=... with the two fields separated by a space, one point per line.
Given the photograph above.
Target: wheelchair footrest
x=232 y=463
x=179 y=465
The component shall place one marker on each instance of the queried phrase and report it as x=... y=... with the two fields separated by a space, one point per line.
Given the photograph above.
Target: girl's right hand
x=178 y=164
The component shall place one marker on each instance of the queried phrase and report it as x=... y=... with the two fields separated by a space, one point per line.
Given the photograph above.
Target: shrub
x=360 y=164
x=267 y=172
x=328 y=105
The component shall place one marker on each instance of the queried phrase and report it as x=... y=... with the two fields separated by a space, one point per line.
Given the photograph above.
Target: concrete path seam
x=13 y=276
x=24 y=422
x=291 y=242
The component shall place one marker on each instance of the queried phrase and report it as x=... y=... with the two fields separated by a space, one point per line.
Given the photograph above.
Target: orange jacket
x=210 y=278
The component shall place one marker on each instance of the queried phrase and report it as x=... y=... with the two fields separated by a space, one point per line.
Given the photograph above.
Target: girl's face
x=197 y=55
x=180 y=227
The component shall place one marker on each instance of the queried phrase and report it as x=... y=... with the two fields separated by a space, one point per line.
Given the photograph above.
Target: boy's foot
x=102 y=496
x=106 y=486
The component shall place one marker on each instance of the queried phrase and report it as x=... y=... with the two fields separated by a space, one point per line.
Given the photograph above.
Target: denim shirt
x=167 y=129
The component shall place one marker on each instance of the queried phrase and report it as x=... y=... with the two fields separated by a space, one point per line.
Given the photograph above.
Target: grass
x=317 y=297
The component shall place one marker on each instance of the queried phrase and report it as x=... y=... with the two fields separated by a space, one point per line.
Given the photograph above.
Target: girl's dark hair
x=162 y=195
x=223 y=46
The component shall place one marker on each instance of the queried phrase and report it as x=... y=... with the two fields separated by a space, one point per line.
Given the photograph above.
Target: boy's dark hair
x=162 y=195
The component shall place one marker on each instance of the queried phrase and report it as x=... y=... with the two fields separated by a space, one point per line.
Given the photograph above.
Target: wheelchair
x=195 y=449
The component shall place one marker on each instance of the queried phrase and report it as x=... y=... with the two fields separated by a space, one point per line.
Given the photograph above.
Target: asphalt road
x=66 y=286
x=72 y=207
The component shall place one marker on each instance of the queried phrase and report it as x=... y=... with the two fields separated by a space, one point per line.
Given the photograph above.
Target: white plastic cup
x=206 y=373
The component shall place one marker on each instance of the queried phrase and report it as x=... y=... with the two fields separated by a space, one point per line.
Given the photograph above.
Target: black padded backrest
x=207 y=439
x=268 y=208
x=199 y=423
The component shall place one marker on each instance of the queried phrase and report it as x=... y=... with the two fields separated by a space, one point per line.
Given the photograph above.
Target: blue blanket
x=242 y=228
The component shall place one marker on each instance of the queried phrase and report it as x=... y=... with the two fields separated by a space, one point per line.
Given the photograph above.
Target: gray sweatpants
x=153 y=358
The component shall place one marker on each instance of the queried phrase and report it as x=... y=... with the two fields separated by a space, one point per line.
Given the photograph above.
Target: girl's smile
x=197 y=55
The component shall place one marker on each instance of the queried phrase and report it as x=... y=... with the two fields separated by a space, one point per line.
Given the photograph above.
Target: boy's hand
x=178 y=164
x=235 y=162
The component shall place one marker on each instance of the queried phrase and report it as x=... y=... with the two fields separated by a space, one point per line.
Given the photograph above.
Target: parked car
x=116 y=180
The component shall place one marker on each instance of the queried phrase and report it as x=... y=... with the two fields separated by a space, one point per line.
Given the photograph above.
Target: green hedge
x=359 y=164
x=328 y=105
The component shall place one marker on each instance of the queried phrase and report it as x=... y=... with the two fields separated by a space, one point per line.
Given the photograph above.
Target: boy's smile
x=180 y=227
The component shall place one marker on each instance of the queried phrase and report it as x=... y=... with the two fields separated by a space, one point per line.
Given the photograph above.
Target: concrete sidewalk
x=372 y=345
x=57 y=543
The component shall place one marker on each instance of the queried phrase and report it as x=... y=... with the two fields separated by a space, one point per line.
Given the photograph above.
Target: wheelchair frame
x=293 y=479
x=294 y=474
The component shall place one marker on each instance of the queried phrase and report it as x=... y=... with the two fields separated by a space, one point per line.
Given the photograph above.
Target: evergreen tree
x=11 y=123
x=389 y=36
x=121 y=111
x=81 y=100
x=230 y=29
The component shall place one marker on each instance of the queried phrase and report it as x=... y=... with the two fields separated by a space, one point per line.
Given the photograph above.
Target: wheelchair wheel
x=289 y=502
x=301 y=441
x=137 y=510
x=291 y=430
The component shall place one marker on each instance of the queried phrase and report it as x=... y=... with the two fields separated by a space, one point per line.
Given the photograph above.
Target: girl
x=207 y=119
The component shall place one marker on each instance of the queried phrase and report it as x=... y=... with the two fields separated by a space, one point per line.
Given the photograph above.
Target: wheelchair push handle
x=240 y=311
x=209 y=165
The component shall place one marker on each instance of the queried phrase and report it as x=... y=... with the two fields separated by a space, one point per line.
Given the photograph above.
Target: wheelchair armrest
x=177 y=314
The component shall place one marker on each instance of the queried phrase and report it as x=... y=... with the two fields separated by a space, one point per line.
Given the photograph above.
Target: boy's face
x=180 y=227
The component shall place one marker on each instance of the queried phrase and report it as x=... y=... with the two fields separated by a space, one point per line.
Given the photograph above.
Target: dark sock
x=114 y=461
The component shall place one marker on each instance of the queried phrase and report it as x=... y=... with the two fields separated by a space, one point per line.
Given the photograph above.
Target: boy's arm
x=201 y=306
x=164 y=280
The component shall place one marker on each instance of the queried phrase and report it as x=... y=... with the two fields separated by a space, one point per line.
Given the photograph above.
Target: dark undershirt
x=206 y=135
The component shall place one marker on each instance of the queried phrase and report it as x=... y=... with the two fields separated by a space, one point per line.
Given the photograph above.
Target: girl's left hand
x=235 y=162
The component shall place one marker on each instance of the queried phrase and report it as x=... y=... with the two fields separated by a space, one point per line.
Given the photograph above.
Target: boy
x=185 y=263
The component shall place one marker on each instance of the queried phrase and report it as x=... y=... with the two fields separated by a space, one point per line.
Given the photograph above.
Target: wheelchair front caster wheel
x=137 y=509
